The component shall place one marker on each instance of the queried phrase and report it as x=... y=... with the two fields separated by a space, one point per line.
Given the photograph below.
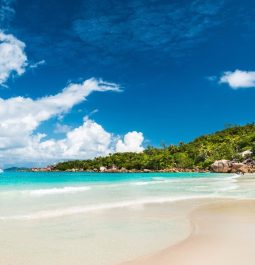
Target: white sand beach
x=177 y=219
x=223 y=233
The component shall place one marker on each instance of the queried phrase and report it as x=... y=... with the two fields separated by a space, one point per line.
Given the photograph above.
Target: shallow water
x=102 y=219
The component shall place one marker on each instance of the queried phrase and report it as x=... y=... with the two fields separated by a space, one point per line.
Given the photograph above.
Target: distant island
x=229 y=150
x=15 y=169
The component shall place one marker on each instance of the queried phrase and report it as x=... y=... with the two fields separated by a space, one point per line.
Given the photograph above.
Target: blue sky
x=184 y=68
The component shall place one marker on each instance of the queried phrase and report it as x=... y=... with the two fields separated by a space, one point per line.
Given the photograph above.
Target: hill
x=229 y=144
x=15 y=169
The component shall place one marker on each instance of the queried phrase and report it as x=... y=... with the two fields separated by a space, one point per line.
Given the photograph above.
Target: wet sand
x=223 y=233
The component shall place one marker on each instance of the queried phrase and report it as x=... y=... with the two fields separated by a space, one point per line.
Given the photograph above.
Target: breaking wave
x=55 y=191
x=100 y=207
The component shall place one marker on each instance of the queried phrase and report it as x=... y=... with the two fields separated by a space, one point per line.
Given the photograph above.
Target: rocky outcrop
x=227 y=166
x=246 y=153
x=237 y=167
x=222 y=166
x=102 y=169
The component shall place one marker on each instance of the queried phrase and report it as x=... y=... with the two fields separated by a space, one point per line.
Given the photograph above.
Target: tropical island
x=230 y=150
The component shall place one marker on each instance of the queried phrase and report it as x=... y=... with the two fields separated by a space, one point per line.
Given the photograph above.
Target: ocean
x=102 y=218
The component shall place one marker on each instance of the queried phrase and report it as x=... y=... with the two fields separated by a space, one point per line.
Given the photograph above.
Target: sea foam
x=56 y=191
x=100 y=207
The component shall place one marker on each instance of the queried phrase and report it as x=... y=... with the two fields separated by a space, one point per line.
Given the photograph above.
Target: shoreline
x=124 y=222
x=122 y=171
x=222 y=231
x=238 y=170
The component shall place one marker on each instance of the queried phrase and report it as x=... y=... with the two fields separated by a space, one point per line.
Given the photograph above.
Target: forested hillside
x=201 y=153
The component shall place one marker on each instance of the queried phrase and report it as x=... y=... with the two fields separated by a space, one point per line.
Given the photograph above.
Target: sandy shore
x=223 y=234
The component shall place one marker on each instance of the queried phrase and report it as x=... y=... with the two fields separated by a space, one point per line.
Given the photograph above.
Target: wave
x=144 y=183
x=56 y=191
x=230 y=188
x=101 y=207
x=154 y=182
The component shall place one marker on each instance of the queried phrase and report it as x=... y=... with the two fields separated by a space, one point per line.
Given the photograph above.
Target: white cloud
x=62 y=128
x=37 y=64
x=239 y=79
x=20 y=117
x=86 y=141
x=132 y=142
x=13 y=59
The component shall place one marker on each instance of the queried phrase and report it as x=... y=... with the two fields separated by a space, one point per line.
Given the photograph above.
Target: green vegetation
x=16 y=169
x=200 y=153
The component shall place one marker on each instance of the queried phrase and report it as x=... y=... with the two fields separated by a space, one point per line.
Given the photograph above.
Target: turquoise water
x=28 y=195
x=33 y=178
x=100 y=218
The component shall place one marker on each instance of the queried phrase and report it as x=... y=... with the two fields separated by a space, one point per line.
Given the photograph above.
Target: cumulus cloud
x=86 y=141
x=132 y=142
x=13 y=59
x=239 y=79
x=20 y=117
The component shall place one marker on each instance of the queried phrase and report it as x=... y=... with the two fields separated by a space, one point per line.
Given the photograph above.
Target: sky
x=83 y=78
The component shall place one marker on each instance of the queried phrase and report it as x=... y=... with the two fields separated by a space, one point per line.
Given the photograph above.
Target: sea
x=103 y=218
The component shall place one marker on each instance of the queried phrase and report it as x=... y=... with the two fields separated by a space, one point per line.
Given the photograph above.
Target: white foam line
x=153 y=182
x=101 y=207
x=56 y=191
